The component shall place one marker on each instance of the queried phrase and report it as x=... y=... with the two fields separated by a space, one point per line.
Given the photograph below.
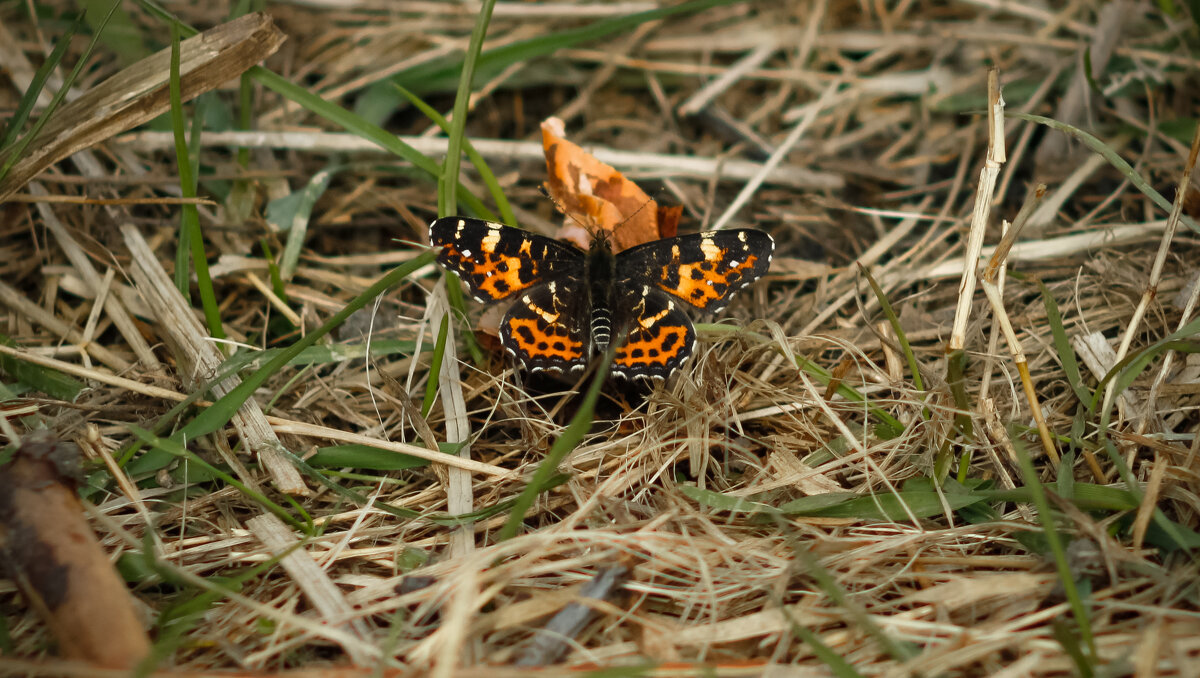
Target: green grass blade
x=1111 y=156
x=571 y=436
x=442 y=75
x=360 y=127
x=30 y=96
x=291 y=213
x=477 y=160
x=363 y=457
x=175 y=448
x=218 y=415
x=888 y=312
x=49 y=381
x=18 y=149
x=1062 y=346
x=435 y=365
x=463 y=97
x=1057 y=547
x=194 y=240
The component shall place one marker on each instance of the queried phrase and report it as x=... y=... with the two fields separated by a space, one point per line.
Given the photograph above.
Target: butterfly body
x=570 y=305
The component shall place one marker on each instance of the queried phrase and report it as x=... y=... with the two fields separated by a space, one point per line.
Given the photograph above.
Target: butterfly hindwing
x=496 y=261
x=654 y=334
x=701 y=269
x=543 y=329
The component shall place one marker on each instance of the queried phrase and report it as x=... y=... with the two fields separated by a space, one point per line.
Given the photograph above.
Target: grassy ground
x=880 y=461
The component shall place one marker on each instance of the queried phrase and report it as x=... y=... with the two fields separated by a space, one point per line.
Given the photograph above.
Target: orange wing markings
x=660 y=338
x=706 y=282
x=661 y=348
x=534 y=338
x=491 y=277
x=542 y=329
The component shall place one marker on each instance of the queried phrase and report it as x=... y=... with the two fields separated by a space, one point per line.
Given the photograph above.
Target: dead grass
x=797 y=491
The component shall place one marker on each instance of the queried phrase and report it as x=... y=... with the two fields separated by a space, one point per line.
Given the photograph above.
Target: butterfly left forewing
x=496 y=261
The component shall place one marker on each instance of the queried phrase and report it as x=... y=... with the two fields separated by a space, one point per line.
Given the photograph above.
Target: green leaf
x=47 y=380
x=723 y=502
x=290 y=214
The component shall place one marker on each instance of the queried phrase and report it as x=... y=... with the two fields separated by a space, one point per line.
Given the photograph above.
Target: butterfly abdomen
x=601 y=271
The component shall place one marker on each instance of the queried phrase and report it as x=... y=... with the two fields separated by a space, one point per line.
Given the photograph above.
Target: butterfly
x=569 y=305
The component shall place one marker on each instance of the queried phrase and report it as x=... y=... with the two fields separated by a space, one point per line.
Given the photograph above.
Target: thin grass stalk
x=992 y=290
x=1065 y=576
x=1185 y=185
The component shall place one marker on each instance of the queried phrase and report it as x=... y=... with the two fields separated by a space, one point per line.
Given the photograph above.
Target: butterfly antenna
x=584 y=226
x=546 y=192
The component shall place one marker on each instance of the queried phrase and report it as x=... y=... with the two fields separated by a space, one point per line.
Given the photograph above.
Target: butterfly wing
x=658 y=335
x=497 y=261
x=545 y=328
x=703 y=270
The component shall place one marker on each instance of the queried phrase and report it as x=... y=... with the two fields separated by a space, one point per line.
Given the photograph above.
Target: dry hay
x=874 y=114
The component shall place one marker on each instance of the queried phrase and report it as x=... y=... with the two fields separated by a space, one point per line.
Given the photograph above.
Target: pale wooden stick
x=629 y=162
x=199 y=360
x=320 y=590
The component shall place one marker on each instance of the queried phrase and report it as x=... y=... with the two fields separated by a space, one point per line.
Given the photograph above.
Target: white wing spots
x=467 y=254
x=734 y=263
x=548 y=317
x=675 y=252
x=709 y=249
x=651 y=321
x=489 y=241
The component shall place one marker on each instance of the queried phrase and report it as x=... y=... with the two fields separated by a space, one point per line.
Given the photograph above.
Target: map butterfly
x=570 y=304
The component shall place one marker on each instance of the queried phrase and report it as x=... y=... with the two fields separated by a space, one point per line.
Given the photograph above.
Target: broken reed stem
x=983 y=206
x=987 y=182
x=1185 y=185
x=1018 y=356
